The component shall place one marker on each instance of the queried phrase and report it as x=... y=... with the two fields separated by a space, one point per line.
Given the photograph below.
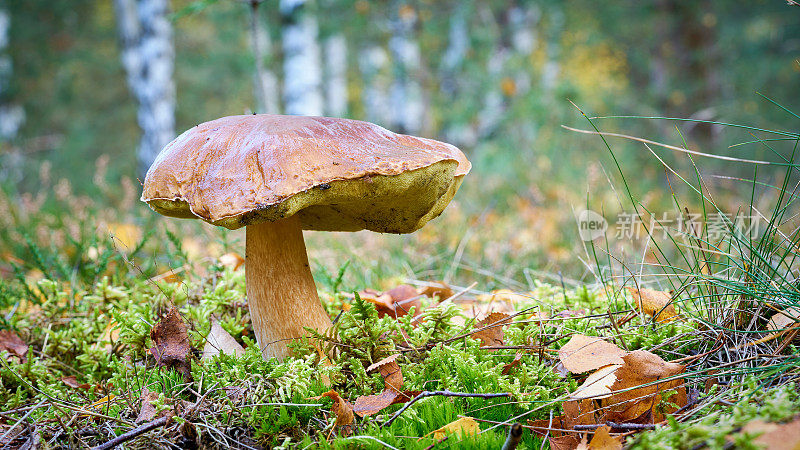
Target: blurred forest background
x=87 y=85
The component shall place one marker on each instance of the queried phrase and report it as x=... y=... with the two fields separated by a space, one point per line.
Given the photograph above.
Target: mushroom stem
x=280 y=289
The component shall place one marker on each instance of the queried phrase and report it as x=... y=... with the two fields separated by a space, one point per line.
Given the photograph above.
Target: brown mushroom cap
x=335 y=174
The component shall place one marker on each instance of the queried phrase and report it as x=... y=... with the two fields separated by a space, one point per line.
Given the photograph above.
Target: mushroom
x=279 y=175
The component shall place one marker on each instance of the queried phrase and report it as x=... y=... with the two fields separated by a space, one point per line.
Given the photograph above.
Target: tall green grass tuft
x=731 y=265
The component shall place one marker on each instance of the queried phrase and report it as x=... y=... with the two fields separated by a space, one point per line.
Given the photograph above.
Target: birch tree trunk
x=12 y=116
x=336 y=76
x=148 y=58
x=406 y=94
x=301 y=60
x=265 y=83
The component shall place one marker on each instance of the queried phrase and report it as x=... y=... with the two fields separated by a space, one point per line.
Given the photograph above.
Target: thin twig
x=144 y=428
x=621 y=426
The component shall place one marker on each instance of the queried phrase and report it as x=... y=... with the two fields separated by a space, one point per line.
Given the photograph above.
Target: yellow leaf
x=465 y=426
x=585 y=353
x=103 y=402
x=125 y=235
x=657 y=304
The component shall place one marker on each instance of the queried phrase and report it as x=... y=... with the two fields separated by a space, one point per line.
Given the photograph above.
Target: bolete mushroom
x=278 y=175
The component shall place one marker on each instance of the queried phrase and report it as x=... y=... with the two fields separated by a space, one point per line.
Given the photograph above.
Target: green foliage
x=718 y=425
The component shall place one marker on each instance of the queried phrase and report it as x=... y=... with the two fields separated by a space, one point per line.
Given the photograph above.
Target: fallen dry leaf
x=642 y=367
x=396 y=302
x=437 y=289
x=554 y=430
x=220 y=341
x=171 y=343
x=580 y=412
x=72 y=381
x=776 y=436
x=393 y=379
x=492 y=333
x=784 y=319
x=598 y=384
x=367 y=405
x=168 y=275
x=584 y=353
x=343 y=411
x=602 y=440
x=656 y=304
x=465 y=426
x=390 y=371
x=148 y=412
x=514 y=363
x=564 y=442
x=11 y=342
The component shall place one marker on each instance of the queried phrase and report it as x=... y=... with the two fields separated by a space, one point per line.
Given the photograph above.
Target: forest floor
x=116 y=330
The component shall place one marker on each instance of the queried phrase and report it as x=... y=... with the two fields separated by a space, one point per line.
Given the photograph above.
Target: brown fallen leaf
x=580 y=412
x=396 y=302
x=343 y=411
x=514 y=363
x=171 y=344
x=220 y=341
x=784 y=319
x=602 y=440
x=465 y=426
x=584 y=353
x=437 y=289
x=11 y=342
x=635 y=401
x=390 y=371
x=583 y=444
x=776 y=436
x=148 y=412
x=564 y=442
x=554 y=430
x=656 y=304
x=72 y=381
x=492 y=333
x=367 y=405
x=393 y=379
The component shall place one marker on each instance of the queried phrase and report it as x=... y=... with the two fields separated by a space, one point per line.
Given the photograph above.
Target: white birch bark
x=406 y=94
x=148 y=57
x=265 y=83
x=373 y=63
x=336 y=76
x=301 y=60
x=12 y=116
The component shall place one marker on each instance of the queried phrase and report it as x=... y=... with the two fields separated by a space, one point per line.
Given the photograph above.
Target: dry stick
x=444 y=393
x=514 y=436
x=144 y=428
x=625 y=426
x=25 y=417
